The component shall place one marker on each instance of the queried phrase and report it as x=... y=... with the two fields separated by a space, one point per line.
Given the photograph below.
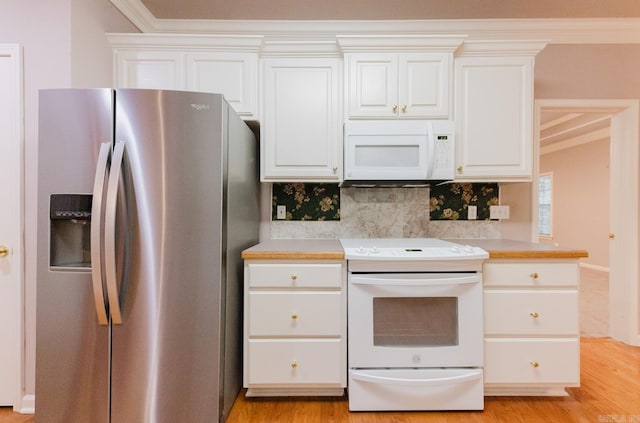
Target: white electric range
x=415 y=324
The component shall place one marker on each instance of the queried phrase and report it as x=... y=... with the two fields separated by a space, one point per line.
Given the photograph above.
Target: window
x=545 y=184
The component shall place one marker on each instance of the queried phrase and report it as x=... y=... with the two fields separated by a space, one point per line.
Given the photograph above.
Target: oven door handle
x=400 y=280
x=439 y=381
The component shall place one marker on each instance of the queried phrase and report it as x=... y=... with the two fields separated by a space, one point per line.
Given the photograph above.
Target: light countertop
x=309 y=249
x=295 y=249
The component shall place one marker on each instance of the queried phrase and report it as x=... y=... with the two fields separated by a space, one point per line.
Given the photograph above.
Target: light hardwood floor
x=609 y=392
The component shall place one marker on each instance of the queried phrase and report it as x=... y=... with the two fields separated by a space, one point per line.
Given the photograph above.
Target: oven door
x=415 y=320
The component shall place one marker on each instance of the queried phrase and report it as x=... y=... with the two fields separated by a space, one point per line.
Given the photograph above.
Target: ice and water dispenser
x=70 y=243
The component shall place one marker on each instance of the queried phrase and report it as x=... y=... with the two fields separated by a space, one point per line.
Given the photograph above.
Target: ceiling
x=566 y=128
x=389 y=10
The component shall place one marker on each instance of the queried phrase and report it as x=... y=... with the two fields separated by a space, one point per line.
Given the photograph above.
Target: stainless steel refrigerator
x=146 y=199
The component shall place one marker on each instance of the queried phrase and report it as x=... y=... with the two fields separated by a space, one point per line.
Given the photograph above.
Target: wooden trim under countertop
x=537 y=254
x=292 y=255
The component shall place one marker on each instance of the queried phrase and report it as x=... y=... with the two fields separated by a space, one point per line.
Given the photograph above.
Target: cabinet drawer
x=532 y=361
x=296 y=362
x=300 y=313
x=316 y=275
x=540 y=312
x=530 y=274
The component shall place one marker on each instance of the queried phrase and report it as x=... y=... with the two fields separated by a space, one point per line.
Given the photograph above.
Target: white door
x=10 y=224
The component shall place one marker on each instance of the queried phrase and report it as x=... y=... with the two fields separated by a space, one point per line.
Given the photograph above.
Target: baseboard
x=595 y=267
x=27 y=405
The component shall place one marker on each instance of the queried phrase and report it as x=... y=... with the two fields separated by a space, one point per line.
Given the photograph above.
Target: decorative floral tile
x=306 y=201
x=451 y=201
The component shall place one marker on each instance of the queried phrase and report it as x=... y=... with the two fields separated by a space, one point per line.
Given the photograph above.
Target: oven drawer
x=305 y=361
x=415 y=389
x=299 y=275
x=531 y=312
x=530 y=274
x=532 y=361
x=301 y=313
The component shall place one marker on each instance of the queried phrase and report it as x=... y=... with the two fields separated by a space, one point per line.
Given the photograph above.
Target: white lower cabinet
x=532 y=336
x=295 y=327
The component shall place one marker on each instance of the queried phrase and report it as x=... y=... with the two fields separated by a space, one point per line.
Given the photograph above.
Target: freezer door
x=166 y=351
x=71 y=347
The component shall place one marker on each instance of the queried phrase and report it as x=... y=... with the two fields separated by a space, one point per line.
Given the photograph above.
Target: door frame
x=624 y=300
x=14 y=174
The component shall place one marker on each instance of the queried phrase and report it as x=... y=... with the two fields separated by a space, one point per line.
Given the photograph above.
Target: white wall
x=64 y=46
x=580 y=203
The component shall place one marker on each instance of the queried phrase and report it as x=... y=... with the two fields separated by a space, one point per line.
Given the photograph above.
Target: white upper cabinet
x=233 y=74
x=387 y=85
x=398 y=76
x=150 y=69
x=207 y=63
x=301 y=128
x=494 y=110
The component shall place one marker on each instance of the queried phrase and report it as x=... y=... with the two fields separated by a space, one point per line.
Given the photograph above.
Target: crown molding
x=234 y=42
x=555 y=31
x=397 y=42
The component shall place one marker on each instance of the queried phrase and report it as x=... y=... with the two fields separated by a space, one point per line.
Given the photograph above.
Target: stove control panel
x=453 y=252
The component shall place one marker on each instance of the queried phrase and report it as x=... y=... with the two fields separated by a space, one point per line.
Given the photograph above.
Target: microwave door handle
x=431 y=147
x=399 y=281
x=439 y=381
x=115 y=308
x=97 y=241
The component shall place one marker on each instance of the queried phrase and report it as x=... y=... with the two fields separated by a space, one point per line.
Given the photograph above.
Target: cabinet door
x=150 y=69
x=373 y=85
x=301 y=130
x=233 y=74
x=424 y=85
x=494 y=118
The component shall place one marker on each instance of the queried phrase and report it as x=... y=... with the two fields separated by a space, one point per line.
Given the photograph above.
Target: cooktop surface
x=408 y=249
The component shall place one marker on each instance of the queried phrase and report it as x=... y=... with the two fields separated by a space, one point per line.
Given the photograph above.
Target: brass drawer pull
x=294 y=278
x=534 y=275
x=294 y=364
x=395 y=108
x=294 y=316
x=535 y=364
x=534 y=315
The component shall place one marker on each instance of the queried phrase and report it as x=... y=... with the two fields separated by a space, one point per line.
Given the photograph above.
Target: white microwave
x=399 y=152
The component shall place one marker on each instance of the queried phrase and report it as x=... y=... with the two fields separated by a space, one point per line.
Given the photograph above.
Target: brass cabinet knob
x=534 y=315
x=294 y=278
x=459 y=169
x=294 y=364
x=294 y=316
x=612 y=236
x=535 y=364
x=404 y=108
x=4 y=251
x=534 y=276
x=395 y=108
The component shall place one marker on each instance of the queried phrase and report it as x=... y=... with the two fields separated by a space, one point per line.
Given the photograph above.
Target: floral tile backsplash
x=451 y=201
x=382 y=212
x=306 y=201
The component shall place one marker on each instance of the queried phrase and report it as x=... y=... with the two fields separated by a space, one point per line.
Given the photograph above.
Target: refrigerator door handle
x=115 y=308
x=97 y=275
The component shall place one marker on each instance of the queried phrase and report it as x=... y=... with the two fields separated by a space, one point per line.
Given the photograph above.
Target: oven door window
x=415 y=321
